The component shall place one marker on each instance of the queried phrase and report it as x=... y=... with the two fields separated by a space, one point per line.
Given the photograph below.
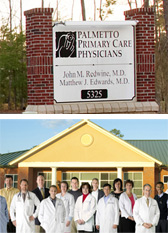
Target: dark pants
x=119 y=225
x=94 y=227
x=127 y=225
x=11 y=227
x=84 y=231
x=162 y=226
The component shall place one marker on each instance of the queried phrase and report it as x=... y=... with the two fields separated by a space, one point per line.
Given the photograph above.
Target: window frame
x=134 y=181
x=163 y=179
x=46 y=180
x=14 y=182
x=80 y=181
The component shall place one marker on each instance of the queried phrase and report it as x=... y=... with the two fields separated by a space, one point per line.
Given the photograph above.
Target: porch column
x=119 y=172
x=54 y=175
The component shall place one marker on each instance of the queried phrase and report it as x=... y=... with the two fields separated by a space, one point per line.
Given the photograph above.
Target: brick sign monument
x=90 y=67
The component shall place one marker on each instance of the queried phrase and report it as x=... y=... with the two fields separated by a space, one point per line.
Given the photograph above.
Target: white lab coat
x=107 y=214
x=144 y=214
x=69 y=204
x=21 y=211
x=125 y=205
x=85 y=210
x=52 y=218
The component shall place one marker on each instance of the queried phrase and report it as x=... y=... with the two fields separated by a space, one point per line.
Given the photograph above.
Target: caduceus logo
x=65 y=44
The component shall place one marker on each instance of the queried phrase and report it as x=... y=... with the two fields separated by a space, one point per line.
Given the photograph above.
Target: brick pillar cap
x=137 y=11
x=37 y=11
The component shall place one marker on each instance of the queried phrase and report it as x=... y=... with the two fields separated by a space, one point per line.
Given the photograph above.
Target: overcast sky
x=17 y=134
x=65 y=9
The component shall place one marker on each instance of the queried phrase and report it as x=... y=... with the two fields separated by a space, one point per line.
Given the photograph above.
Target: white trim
x=90 y=172
x=122 y=142
x=50 y=140
x=119 y=172
x=87 y=164
x=94 y=126
x=54 y=176
x=88 y=24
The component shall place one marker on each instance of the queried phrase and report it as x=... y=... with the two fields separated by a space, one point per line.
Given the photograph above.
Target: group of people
x=87 y=209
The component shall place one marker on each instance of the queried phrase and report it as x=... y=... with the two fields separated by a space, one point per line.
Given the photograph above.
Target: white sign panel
x=94 y=61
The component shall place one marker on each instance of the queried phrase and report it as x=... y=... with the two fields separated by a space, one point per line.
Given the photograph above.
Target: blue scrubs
x=4 y=219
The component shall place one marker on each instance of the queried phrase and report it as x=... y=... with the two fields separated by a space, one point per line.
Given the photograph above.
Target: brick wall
x=164 y=172
x=145 y=52
x=25 y=173
x=149 y=178
x=39 y=56
x=150 y=175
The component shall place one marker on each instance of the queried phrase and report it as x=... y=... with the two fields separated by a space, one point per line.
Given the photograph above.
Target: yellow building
x=87 y=151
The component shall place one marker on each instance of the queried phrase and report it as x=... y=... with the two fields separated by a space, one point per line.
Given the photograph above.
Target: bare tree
x=83 y=10
x=146 y=3
x=42 y=3
x=72 y=9
x=20 y=15
x=100 y=10
x=57 y=10
x=10 y=76
x=130 y=5
x=165 y=10
x=10 y=10
x=161 y=52
x=105 y=8
x=94 y=10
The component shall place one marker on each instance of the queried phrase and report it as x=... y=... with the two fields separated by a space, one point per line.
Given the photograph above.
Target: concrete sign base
x=109 y=107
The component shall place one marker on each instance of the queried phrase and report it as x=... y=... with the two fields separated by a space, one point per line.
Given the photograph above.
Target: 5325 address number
x=94 y=94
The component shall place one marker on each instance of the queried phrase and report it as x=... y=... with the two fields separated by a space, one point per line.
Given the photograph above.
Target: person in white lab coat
x=22 y=209
x=146 y=212
x=52 y=213
x=126 y=205
x=69 y=204
x=107 y=216
x=85 y=208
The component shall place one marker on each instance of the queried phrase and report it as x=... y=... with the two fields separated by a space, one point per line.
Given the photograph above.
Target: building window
x=48 y=178
x=137 y=177
x=165 y=179
x=104 y=177
x=15 y=180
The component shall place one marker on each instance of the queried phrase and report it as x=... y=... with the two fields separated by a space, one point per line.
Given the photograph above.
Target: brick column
x=39 y=56
x=145 y=52
x=149 y=178
x=25 y=173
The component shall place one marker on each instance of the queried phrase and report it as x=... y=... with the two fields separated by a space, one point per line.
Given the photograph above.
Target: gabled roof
x=153 y=149
x=6 y=158
x=78 y=125
x=157 y=148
